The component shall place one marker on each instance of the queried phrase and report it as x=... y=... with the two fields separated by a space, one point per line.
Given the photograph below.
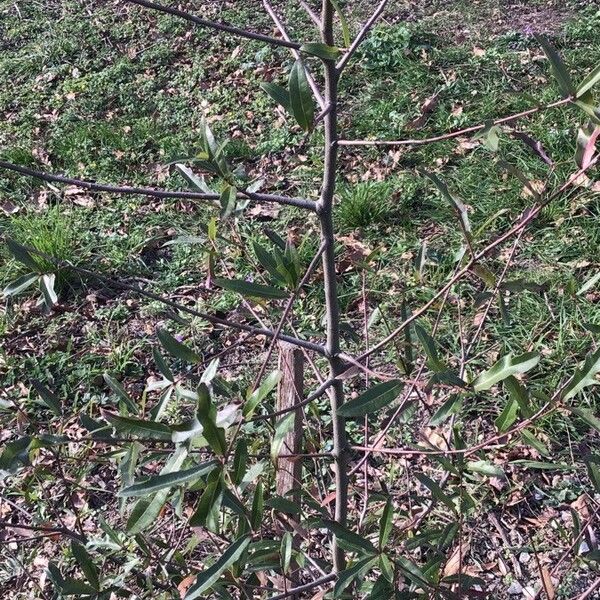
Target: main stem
x=325 y=212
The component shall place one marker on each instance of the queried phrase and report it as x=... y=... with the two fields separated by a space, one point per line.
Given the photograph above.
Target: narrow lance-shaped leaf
x=162 y=365
x=86 y=564
x=436 y=490
x=347 y=576
x=247 y=288
x=455 y=202
x=20 y=285
x=49 y=398
x=146 y=510
x=47 y=288
x=214 y=435
x=385 y=524
x=589 y=82
x=583 y=377
x=279 y=94
x=175 y=348
x=168 y=480
x=206 y=579
x=139 y=427
x=301 y=99
x=22 y=255
x=372 y=400
x=240 y=462
x=508 y=365
x=282 y=428
x=321 y=50
x=119 y=390
x=343 y=23
x=258 y=395
x=428 y=343
x=352 y=541
x=558 y=67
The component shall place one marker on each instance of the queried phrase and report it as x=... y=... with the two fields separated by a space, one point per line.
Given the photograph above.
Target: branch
x=311 y=13
x=210 y=318
x=361 y=36
x=218 y=26
x=48 y=530
x=458 y=133
x=296 y=53
x=100 y=187
x=526 y=218
x=304 y=588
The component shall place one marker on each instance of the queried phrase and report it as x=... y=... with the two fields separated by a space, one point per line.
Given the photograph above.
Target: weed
x=364 y=204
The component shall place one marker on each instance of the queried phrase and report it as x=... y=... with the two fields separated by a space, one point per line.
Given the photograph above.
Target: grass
x=118 y=95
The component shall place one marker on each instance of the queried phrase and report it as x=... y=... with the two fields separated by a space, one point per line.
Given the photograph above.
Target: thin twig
x=115 y=189
x=210 y=318
x=361 y=36
x=304 y=588
x=261 y=37
x=311 y=80
x=458 y=133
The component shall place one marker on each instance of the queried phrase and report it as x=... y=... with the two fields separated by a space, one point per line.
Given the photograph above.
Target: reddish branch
x=458 y=133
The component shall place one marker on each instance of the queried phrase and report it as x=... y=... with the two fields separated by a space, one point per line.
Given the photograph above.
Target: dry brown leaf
x=457 y=559
x=185 y=584
x=537 y=185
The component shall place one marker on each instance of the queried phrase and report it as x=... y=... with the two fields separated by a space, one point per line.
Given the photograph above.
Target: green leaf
x=450 y=407
x=209 y=506
x=532 y=441
x=321 y=50
x=146 y=510
x=301 y=99
x=279 y=94
x=282 y=427
x=139 y=427
x=485 y=468
x=352 y=541
x=508 y=416
x=119 y=390
x=87 y=564
x=228 y=201
x=436 y=490
x=22 y=255
x=591 y=419
x=343 y=23
x=583 y=377
x=412 y=571
x=163 y=367
x=247 y=288
x=385 y=523
x=47 y=288
x=382 y=589
x=19 y=285
x=387 y=567
x=195 y=180
x=49 y=398
x=519 y=394
x=455 y=202
x=206 y=579
x=347 y=576
x=592 y=78
x=176 y=348
x=505 y=367
x=372 y=400
x=592 y=463
x=258 y=395
x=283 y=505
x=286 y=551
x=558 y=67
x=168 y=480
x=258 y=503
x=428 y=343
x=214 y=435
x=542 y=466
x=240 y=462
